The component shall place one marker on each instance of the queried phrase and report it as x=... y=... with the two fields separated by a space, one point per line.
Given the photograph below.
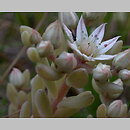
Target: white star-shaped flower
x=90 y=48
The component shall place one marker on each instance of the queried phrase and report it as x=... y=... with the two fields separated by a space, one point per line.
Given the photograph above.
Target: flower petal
x=81 y=32
x=104 y=57
x=98 y=34
x=107 y=45
x=68 y=33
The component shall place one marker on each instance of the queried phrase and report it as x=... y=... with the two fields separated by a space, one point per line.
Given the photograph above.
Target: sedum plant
x=65 y=56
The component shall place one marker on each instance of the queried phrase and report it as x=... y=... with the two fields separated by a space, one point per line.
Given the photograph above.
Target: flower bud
x=25 y=28
x=96 y=86
x=102 y=72
x=124 y=75
x=25 y=111
x=33 y=55
x=54 y=34
x=25 y=37
x=80 y=101
x=113 y=90
x=12 y=94
x=117 y=109
x=42 y=104
x=70 y=19
x=77 y=78
x=118 y=82
x=35 y=37
x=45 y=48
x=66 y=62
x=16 y=77
x=121 y=61
x=47 y=72
x=101 y=111
x=116 y=48
x=29 y=36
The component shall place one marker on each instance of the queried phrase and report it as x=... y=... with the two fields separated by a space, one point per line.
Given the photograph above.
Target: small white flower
x=90 y=48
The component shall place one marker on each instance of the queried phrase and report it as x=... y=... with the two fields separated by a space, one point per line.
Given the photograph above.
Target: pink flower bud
x=66 y=62
x=16 y=77
x=102 y=72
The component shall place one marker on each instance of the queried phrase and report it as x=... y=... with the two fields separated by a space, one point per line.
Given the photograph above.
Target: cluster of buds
x=18 y=92
x=63 y=62
x=117 y=109
x=113 y=94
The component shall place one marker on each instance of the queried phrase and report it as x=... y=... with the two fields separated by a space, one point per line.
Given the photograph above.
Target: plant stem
x=61 y=94
x=13 y=63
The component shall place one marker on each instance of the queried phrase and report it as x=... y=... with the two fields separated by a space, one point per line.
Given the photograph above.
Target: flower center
x=88 y=48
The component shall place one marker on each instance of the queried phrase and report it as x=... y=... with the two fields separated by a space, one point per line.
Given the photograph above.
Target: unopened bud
x=117 y=109
x=77 y=78
x=66 y=62
x=45 y=48
x=47 y=72
x=80 y=101
x=29 y=36
x=118 y=82
x=42 y=104
x=16 y=77
x=25 y=37
x=102 y=72
x=25 y=111
x=33 y=55
x=101 y=111
x=70 y=19
x=54 y=34
x=116 y=48
x=113 y=90
x=12 y=94
x=25 y=28
x=124 y=75
x=121 y=61
x=35 y=37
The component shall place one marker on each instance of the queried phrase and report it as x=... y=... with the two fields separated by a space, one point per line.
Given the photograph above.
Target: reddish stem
x=61 y=94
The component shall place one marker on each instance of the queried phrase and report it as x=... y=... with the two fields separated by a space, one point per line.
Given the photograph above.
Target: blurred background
x=118 y=23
